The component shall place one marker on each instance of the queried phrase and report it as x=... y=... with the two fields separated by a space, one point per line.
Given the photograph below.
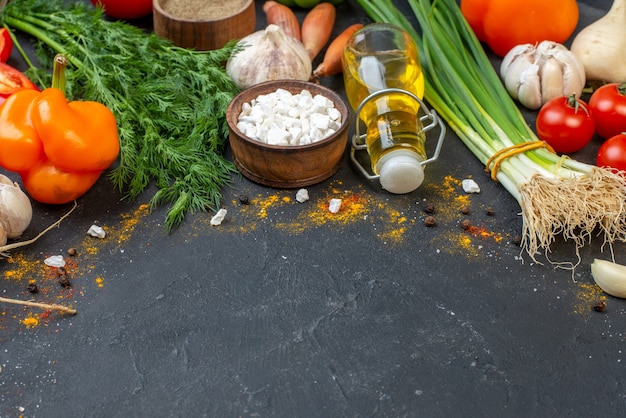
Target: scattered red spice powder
x=482 y=232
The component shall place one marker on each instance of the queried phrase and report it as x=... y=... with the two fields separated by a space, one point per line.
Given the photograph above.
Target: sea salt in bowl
x=203 y=25
x=287 y=166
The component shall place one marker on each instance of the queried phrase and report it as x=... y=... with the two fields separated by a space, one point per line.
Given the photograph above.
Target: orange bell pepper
x=505 y=24
x=58 y=148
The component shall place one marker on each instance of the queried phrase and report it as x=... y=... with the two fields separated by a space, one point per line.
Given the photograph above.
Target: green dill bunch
x=170 y=102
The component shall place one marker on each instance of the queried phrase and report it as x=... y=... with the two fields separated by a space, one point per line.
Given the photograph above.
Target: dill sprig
x=170 y=102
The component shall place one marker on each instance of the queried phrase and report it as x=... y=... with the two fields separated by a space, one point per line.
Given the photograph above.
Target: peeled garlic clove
x=266 y=55
x=611 y=277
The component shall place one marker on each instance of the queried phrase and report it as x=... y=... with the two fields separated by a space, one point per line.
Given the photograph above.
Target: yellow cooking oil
x=402 y=70
x=391 y=120
x=392 y=131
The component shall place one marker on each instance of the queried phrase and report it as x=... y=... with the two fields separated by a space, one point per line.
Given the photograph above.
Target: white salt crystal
x=55 y=261
x=470 y=186
x=269 y=118
x=96 y=231
x=302 y=195
x=334 y=205
x=334 y=114
x=320 y=121
x=219 y=217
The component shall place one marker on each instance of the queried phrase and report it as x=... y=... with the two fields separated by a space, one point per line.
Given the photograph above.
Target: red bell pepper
x=6 y=45
x=13 y=80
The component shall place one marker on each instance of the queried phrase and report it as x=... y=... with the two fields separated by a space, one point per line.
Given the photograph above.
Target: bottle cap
x=400 y=171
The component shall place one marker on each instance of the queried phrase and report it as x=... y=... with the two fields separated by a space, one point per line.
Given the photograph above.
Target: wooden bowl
x=288 y=166
x=205 y=27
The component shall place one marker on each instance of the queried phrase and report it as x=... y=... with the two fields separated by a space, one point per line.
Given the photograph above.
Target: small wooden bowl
x=204 y=35
x=289 y=166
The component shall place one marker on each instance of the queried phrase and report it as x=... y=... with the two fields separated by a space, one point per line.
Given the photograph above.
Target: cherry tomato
x=6 y=45
x=125 y=9
x=612 y=153
x=12 y=80
x=608 y=104
x=566 y=124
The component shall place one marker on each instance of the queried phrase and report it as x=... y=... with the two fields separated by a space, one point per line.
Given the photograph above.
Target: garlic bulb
x=268 y=54
x=611 y=277
x=16 y=210
x=535 y=74
x=601 y=46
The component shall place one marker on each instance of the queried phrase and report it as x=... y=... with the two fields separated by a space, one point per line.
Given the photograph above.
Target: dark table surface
x=285 y=310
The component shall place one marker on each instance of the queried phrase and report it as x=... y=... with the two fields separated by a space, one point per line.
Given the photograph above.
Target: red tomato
x=566 y=123
x=6 y=45
x=612 y=153
x=125 y=9
x=12 y=80
x=608 y=104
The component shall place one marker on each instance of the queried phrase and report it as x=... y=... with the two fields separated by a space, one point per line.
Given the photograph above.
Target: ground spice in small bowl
x=200 y=10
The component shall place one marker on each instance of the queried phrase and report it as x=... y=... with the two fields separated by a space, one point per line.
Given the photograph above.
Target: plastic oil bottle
x=377 y=58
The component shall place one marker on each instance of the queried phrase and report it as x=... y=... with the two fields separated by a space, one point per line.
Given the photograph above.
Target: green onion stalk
x=169 y=102
x=558 y=195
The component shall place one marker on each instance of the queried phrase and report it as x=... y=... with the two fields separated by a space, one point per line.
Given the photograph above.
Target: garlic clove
x=513 y=55
x=512 y=66
x=529 y=92
x=572 y=81
x=574 y=72
x=551 y=79
x=611 y=277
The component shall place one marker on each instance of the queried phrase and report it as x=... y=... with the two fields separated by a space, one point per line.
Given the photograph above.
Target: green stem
x=58 y=72
x=38 y=29
x=17 y=44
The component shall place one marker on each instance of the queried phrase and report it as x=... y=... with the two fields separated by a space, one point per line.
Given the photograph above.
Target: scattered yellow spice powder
x=395 y=235
x=20 y=267
x=395 y=227
x=264 y=203
x=125 y=230
x=31 y=320
x=587 y=296
x=457 y=243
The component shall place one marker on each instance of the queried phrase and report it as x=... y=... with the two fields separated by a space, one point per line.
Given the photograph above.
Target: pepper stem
x=58 y=72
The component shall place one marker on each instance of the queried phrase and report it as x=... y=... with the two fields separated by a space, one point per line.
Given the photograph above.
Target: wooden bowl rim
x=157 y=6
x=273 y=85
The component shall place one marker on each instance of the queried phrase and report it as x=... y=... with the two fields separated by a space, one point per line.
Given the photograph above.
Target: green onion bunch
x=558 y=195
